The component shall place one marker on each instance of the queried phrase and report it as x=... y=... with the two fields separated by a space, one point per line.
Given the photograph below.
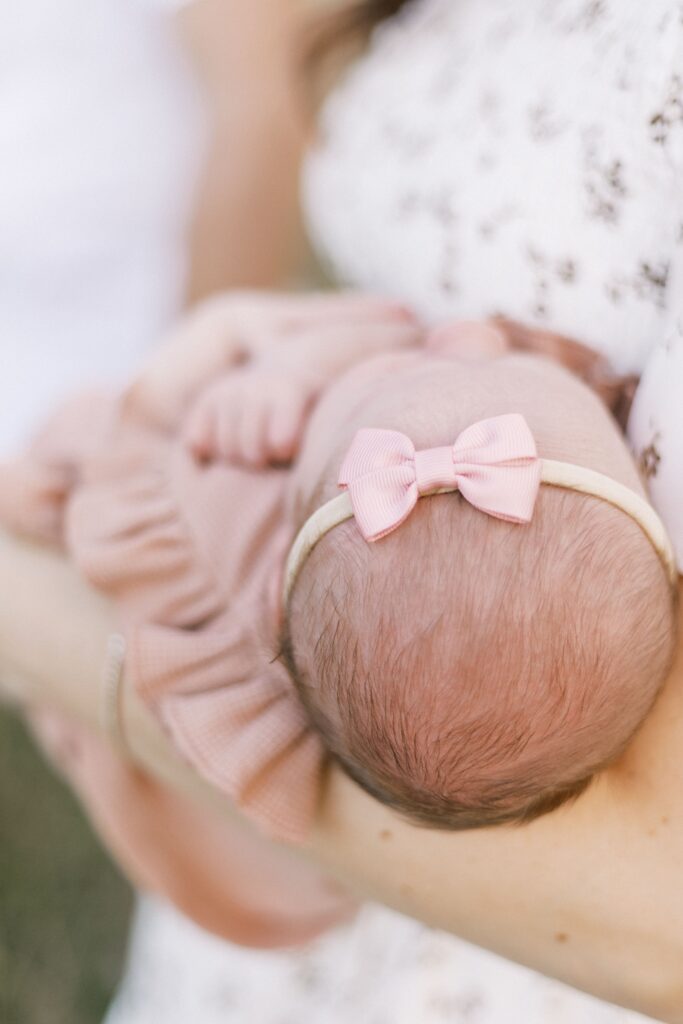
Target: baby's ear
x=468 y=339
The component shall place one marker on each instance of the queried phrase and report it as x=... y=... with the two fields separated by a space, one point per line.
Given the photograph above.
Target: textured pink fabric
x=493 y=463
x=190 y=554
x=192 y=557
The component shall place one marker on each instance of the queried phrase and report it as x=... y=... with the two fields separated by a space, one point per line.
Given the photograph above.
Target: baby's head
x=465 y=670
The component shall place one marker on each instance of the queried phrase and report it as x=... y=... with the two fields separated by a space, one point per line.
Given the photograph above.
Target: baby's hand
x=252 y=416
x=237 y=327
x=32 y=499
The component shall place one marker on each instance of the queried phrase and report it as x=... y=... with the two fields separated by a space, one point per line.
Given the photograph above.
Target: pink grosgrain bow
x=493 y=463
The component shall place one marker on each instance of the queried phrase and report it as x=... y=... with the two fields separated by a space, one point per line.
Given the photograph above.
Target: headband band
x=493 y=464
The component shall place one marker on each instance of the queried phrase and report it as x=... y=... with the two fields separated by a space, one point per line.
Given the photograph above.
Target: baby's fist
x=251 y=416
x=33 y=498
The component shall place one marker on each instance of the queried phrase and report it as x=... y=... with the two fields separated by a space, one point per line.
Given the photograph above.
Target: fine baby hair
x=475 y=630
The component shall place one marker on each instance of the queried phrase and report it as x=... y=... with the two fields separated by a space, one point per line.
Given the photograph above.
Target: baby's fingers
x=206 y=342
x=199 y=433
x=285 y=426
x=250 y=433
x=32 y=499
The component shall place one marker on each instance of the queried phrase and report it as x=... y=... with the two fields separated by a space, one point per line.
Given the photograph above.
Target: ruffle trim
x=126 y=533
x=230 y=711
x=245 y=732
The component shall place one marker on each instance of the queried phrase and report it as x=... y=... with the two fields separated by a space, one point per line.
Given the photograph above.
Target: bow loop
x=493 y=463
x=379 y=473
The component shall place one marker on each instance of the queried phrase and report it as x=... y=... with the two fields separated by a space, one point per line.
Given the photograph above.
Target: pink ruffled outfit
x=192 y=557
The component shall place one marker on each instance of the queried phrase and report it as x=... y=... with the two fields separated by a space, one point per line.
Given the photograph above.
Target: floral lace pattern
x=491 y=156
x=380 y=969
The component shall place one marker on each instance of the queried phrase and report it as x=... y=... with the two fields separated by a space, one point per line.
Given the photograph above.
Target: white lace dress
x=484 y=156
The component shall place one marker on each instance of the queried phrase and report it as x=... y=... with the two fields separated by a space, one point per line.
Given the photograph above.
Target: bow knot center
x=434 y=469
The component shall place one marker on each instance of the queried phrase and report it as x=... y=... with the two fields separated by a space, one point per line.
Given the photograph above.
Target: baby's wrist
x=309 y=379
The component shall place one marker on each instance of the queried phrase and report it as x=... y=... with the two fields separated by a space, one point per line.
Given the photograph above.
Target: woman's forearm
x=54 y=631
x=246 y=225
x=590 y=894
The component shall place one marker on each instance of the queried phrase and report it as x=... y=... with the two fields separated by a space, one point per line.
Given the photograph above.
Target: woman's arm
x=246 y=227
x=591 y=894
x=54 y=631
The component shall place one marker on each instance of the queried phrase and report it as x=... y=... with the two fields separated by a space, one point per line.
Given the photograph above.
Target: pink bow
x=493 y=463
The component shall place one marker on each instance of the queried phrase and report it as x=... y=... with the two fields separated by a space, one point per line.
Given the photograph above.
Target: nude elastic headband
x=493 y=464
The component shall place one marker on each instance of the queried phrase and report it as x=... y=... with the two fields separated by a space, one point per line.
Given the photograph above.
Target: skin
x=246 y=227
x=589 y=894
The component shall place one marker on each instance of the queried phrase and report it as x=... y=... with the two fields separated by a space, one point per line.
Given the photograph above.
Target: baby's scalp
x=469 y=671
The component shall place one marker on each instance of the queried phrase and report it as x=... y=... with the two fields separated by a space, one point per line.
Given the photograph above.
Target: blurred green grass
x=64 y=909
